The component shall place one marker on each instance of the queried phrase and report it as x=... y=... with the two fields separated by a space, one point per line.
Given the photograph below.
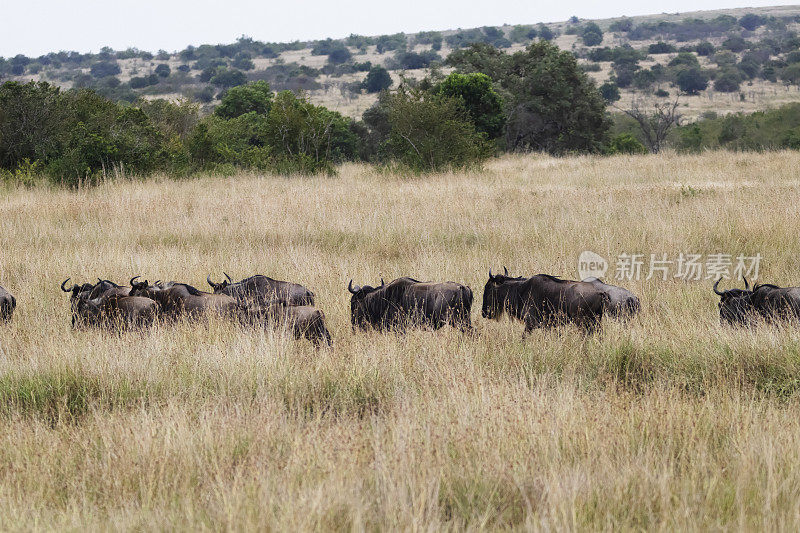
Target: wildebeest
x=109 y=304
x=117 y=311
x=7 y=305
x=776 y=303
x=177 y=299
x=408 y=302
x=622 y=302
x=736 y=305
x=263 y=290
x=544 y=301
x=302 y=320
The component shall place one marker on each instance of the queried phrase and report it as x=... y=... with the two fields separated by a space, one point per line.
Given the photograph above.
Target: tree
x=751 y=21
x=482 y=102
x=102 y=69
x=610 y=92
x=229 y=78
x=591 y=34
x=254 y=97
x=553 y=105
x=735 y=44
x=727 y=81
x=704 y=49
x=430 y=133
x=545 y=33
x=377 y=80
x=163 y=70
x=339 y=54
x=661 y=48
x=692 y=80
x=655 y=124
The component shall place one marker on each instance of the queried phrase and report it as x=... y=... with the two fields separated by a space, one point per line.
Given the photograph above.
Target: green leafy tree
x=254 y=97
x=482 y=102
x=377 y=80
x=692 y=80
x=591 y=34
x=430 y=133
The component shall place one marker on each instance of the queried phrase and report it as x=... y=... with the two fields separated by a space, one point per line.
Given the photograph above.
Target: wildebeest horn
x=746 y=285
x=64 y=283
x=208 y=279
x=229 y=278
x=382 y=282
x=351 y=289
x=505 y=271
x=716 y=291
x=133 y=281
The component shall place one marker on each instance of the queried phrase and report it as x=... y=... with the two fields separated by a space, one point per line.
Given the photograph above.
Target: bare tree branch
x=656 y=123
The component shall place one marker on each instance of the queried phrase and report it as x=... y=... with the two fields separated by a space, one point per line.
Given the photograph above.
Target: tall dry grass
x=669 y=422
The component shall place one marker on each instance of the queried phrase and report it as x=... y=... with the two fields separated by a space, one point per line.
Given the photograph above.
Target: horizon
x=180 y=24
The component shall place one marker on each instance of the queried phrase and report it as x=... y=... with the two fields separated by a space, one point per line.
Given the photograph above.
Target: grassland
x=670 y=422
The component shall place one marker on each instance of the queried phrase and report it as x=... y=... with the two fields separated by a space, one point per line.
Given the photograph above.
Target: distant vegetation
x=444 y=99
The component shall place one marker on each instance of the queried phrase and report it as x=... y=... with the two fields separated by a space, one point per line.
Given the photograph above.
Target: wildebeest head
x=143 y=288
x=494 y=294
x=217 y=287
x=735 y=305
x=364 y=303
x=77 y=290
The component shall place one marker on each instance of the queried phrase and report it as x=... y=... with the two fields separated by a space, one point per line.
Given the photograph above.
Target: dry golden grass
x=672 y=422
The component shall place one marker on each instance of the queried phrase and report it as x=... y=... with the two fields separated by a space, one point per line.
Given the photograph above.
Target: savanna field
x=670 y=421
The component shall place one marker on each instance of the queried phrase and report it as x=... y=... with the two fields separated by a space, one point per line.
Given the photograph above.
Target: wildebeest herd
x=538 y=301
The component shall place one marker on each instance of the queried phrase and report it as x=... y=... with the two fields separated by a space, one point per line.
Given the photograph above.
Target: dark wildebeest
x=263 y=290
x=106 y=303
x=117 y=311
x=177 y=299
x=302 y=320
x=736 y=305
x=7 y=305
x=408 y=302
x=622 y=302
x=776 y=303
x=544 y=301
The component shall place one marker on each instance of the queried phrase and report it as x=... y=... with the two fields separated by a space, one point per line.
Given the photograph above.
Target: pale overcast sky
x=34 y=27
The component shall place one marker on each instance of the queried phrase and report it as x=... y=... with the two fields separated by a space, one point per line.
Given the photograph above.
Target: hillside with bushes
x=422 y=102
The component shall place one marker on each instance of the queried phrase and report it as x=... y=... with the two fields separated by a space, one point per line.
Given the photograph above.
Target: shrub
x=255 y=97
x=661 y=48
x=306 y=138
x=735 y=44
x=377 y=80
x=339 y=54
x=610 y=92
x=727 y=82
x=430 y=133
x=692 y=80
x=704 y=49
x=591 y=34
x=163 y=70
x=228 y=78
x=102 y=69
x=415 y=60
x=625 y=143
x=478 y=96
x=751 y=21
x=243 y=61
